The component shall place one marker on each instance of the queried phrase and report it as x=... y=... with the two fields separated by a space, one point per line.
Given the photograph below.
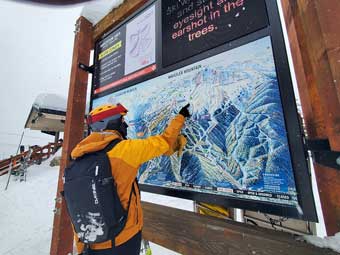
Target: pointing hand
x=185 y=111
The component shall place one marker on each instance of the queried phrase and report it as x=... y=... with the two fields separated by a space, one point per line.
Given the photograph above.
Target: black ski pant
x=130 y=247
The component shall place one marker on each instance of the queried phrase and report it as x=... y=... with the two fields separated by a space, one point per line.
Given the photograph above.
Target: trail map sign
x=244 y=145
x=237 y=144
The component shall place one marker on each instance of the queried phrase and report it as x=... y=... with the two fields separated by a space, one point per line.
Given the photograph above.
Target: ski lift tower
x=314 y=41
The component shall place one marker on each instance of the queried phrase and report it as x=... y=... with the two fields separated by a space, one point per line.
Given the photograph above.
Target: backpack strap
x=111 y=145
x=133 y=190
x=136 y=181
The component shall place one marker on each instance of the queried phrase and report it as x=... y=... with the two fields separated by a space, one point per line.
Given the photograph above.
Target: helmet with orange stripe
x=108 y=117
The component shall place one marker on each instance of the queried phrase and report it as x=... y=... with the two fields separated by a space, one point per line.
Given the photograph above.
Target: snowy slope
x=26 y=214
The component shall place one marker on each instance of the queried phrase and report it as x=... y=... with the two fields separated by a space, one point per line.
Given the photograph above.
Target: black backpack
x=92 y=200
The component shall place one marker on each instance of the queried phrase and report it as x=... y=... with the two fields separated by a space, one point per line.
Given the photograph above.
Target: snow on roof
x=94 y=11
x=51 y=102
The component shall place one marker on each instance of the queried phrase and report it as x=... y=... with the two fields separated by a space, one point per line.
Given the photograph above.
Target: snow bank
x=331 y=242
x=26 y=214
x=50 y=101
x=178 y=203
x=94 y=11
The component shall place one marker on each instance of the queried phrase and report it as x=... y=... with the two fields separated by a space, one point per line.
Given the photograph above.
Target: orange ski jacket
x=125 y=159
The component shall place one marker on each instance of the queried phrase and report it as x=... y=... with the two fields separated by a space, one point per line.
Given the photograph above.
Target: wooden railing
x=189 y=233
x=37 y=156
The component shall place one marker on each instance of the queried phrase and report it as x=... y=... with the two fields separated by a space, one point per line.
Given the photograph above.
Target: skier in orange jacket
x=126 y=157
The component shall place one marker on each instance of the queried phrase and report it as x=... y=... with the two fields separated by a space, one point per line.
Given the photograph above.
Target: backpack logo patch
x=92 y=229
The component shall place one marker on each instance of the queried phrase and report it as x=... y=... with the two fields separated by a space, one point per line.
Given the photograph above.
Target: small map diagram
x=140 y=41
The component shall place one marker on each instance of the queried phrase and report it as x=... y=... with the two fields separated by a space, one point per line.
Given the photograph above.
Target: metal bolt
x=58 y=199
x=77 y=27
x=57 y=211
x=338 y=161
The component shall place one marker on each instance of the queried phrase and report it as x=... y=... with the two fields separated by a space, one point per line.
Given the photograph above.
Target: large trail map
x=237 y=144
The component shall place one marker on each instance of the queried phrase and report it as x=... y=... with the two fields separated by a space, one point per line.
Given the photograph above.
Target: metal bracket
x=36 y=117
x=89 y=69
x=322 y=153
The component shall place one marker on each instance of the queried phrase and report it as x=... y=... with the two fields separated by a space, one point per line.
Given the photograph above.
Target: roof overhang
x=46 y=120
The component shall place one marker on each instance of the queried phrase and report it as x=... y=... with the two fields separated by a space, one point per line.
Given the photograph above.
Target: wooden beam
x=193 y=234
x=116 y=16
x=311 y=16
x=329 y=24
x=315 y=43
x=62 y=235
x=314 y=120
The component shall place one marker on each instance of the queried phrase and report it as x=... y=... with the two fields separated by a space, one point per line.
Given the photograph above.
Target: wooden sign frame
x=306 y=208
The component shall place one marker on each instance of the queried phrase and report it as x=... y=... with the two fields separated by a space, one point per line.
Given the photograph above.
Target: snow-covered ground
x=26 y=214
x=331 y=242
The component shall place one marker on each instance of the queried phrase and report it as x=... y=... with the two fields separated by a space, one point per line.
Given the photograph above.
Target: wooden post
x=193 y=234
x=314 y=37
x=62 y=236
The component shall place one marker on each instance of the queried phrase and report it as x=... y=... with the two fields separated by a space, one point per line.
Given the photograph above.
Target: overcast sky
x=36 y=51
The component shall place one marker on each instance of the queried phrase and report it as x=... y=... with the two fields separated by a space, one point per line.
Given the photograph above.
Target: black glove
x=185 y=111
